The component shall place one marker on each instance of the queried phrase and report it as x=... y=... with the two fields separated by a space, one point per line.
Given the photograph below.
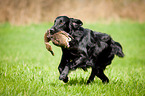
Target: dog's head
x=64 y=23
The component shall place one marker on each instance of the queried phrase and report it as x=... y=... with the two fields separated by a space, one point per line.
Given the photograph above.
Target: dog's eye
x=60 y=21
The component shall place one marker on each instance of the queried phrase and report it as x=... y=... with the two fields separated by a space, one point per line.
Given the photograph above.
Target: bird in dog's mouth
x=60 y=39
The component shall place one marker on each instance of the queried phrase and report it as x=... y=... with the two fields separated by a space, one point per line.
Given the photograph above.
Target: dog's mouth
x=53 y=30
x=51 y=34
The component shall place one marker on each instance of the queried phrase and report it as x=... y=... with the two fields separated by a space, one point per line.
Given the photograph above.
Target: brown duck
x=60 y=39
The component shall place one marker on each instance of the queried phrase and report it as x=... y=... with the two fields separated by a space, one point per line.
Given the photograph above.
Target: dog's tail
x=117 y=49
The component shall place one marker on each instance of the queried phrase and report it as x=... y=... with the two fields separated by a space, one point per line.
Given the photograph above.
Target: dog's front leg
x=64 y=73
x=63 y=63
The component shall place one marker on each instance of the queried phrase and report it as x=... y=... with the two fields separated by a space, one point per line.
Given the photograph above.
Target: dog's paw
x=88 y=81
x=62 y=77
x=105 y=81
x=65 y=80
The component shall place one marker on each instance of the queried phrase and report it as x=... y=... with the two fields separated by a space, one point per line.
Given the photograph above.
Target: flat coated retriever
x=87 y=49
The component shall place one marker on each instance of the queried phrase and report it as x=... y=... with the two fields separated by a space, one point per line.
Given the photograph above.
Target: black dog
x=87 y=49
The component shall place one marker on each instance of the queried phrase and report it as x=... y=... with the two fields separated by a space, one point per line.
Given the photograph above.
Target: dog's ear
x=75 y=23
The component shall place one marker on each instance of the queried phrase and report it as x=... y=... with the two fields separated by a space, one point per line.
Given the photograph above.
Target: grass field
x=27 y=68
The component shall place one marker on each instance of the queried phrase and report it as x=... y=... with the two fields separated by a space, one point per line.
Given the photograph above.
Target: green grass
x=27 y=68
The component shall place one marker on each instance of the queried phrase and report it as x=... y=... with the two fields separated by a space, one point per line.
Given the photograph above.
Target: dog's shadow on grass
x=71 y=82
x=76 y=81
x=81 y=81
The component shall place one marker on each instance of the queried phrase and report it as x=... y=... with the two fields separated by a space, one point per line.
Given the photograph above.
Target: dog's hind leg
x=101 y=75
x=91 y=78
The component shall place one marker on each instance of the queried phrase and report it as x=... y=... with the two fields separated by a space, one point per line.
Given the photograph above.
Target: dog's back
x=102 y=50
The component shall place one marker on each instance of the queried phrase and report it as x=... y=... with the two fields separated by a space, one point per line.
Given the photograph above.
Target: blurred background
x=28 y=69
x=37 y=11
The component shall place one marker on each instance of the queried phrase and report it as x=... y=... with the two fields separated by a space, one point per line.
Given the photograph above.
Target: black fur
x=87 y=49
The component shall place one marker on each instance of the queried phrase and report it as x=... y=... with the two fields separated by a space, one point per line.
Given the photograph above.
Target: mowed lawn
x=27 y=68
